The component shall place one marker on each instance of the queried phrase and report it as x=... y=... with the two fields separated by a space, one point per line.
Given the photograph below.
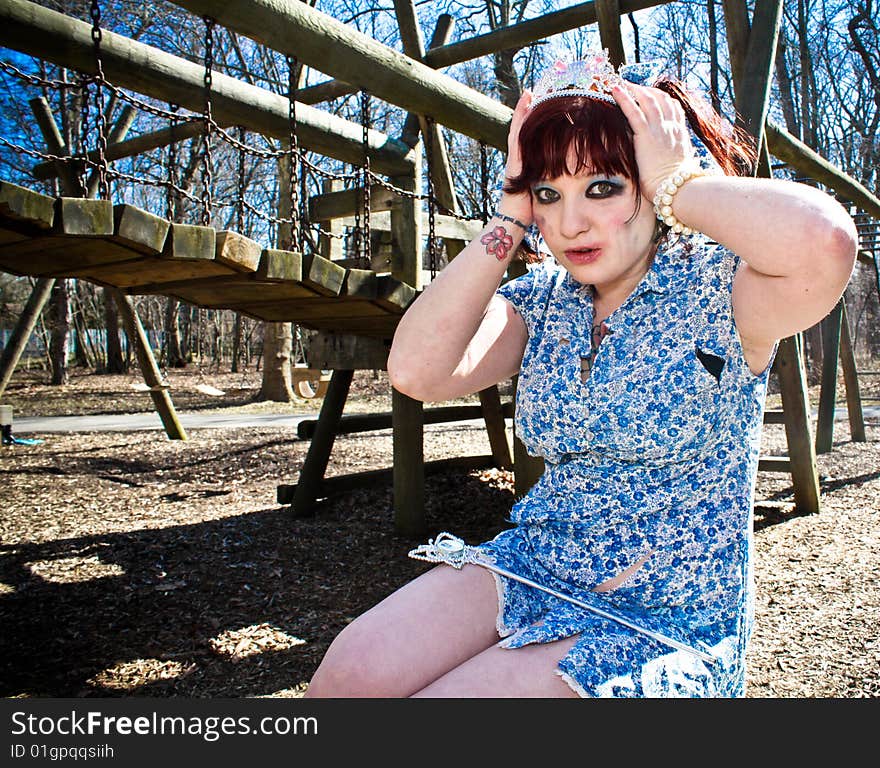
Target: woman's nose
x=575 y=220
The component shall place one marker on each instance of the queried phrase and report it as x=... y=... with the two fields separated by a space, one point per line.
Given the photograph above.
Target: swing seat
x=309 y=383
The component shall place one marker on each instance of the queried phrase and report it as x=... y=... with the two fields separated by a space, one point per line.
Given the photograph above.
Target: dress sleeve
x=525 y=293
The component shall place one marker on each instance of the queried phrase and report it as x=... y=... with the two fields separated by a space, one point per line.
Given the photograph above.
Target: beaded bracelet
x=665 y=194
x=504 y=217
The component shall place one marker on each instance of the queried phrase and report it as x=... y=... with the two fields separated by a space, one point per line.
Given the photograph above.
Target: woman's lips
x=583 y=256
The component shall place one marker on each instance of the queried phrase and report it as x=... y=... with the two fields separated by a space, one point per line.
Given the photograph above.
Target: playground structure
x=354 y=303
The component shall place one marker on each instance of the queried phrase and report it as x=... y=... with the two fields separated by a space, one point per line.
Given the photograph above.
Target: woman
x=643 y=354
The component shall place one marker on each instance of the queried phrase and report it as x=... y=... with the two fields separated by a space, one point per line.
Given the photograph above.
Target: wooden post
x=851 y=380
x=608 y=16
x=796 y=410
x=331 y=247
x=23 y=328
x=752 y=52
x=311 y=475
x=496 y=427
x=138 y=339
x=407 y=423
x=406 y=231
x=828 y=389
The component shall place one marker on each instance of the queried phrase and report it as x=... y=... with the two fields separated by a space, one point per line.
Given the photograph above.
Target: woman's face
x=590 y=224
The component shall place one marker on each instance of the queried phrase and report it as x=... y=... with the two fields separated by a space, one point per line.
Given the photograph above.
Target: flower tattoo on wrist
x=497 y=242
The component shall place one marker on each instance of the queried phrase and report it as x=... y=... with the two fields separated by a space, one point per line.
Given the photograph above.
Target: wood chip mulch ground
x=132 y=565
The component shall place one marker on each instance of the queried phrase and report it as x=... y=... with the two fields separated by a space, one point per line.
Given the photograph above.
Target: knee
x=353 y=667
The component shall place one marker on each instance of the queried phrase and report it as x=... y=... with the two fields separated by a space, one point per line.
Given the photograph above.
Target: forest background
x=826 y=92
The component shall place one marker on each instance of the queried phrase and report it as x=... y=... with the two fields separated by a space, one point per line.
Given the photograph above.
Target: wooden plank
x=774 y=464
x=24 y=206
x=345 y=202
x=370 y=422
x=409 y=474
x=226 y=292
x=331 y=351
x=280 y=265
x=140 y=230
x=237 y=251
x=332 y=486
x=75 y=216
x=393 y=294
x=322 y=275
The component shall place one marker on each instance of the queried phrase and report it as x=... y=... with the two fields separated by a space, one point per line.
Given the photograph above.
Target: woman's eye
x=545 y=195
x=603 y=188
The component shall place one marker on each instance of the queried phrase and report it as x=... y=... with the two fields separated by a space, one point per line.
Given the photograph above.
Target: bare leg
x=526 y=672
x=415 y=635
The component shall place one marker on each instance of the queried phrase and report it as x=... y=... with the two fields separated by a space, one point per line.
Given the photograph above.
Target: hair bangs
x=573 y=135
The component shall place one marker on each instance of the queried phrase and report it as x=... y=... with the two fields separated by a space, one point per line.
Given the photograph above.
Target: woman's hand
x=518 y=206
x=660 y=133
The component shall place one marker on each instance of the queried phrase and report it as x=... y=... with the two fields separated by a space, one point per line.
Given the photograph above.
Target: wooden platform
x=128 y=248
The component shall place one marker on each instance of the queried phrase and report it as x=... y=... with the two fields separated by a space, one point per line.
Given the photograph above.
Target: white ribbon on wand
x=451 y=550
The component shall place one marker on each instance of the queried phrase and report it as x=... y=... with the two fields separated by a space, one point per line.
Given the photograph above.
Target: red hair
x=599 y=136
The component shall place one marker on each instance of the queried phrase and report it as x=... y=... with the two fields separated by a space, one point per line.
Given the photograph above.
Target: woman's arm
x=458 y=337
x=797 y=243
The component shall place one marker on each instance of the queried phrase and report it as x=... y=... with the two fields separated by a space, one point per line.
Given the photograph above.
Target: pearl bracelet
x=665 y=194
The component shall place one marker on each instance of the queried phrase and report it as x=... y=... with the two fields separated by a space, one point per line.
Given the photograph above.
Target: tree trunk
x=174 y=357
x=237 y=333
x=277 y=337
x=115 y=362
x=58 y=354
x=277 y=379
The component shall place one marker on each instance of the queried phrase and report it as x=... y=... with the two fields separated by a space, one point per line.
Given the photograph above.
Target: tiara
x=593 y=77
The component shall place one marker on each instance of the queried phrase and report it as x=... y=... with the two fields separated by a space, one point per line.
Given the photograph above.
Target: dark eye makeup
x=597 y=190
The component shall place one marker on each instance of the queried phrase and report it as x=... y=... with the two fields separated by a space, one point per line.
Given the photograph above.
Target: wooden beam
x=753 y=94
x=851 y=381
x=297 y=29
x=311 y=475
x=608 y=16
x=131 y=147
x=23 y=328
x=55 y=144
x=812 y=165
x=526 y=32
x=828 y=389
x=38 y=31
x=138 y=339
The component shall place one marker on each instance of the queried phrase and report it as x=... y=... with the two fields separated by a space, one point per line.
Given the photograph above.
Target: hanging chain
x=293 y=154
x=365 y=234
x=239 y=208
x=207 y=167
x=432 y=238
x=100 y=119
x=170 y=203
x=484 y=183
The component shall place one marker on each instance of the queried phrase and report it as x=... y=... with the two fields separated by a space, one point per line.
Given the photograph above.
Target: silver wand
x=451 y=550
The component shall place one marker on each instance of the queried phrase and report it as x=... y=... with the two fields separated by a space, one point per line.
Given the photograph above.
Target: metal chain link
x=207 y=166
x=100 y=118
x=432 y=199
x=484 y=183
x=239 y=208
x=171 y=211
x=366 y=235
x=293 y=155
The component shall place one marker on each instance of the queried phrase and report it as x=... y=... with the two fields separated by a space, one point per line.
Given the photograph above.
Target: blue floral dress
x=653 y=457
